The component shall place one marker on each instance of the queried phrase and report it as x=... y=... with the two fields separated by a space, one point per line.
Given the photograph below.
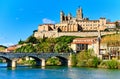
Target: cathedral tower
x=69 y=16
x=62 y=16
x=79 y=14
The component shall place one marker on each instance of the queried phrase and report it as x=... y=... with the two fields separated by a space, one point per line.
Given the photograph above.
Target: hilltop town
x=89 y=42
x=69 y=32
x=76 y=26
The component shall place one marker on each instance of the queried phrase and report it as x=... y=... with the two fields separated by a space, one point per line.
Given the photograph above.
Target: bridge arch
x=40 y=58
x=37 y=60
x=9 y=61
x=63 y=60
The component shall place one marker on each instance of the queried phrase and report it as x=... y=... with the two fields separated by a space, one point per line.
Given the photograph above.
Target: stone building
x=79 y=23
x=110 y=26
x=71 y=26
x=80 y=44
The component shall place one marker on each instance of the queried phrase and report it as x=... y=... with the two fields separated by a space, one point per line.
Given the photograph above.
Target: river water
x=57 y=72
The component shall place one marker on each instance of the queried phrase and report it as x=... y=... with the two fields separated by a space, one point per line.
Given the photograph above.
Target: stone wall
x=54 y=34
x=83 y=34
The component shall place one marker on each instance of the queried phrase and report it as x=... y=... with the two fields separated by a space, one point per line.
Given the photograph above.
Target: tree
x=87 y=58
x=62 y=47
x=117 y=24
x=32 y=39
x=29 y=48
x=21 y=42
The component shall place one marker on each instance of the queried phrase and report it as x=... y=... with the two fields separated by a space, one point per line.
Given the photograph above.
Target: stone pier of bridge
x=12 y=63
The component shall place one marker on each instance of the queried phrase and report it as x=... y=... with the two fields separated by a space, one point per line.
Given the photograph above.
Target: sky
x=19 y=18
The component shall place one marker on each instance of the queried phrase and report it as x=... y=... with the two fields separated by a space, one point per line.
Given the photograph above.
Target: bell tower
x=79 y=14
x=62 y=16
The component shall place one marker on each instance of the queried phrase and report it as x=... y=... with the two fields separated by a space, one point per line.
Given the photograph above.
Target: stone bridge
x=40 y=58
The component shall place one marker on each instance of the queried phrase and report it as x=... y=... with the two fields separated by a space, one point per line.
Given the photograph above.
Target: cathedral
x=69 y=24
x=79 y=23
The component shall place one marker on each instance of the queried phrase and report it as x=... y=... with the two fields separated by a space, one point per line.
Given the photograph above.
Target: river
x=57 y=72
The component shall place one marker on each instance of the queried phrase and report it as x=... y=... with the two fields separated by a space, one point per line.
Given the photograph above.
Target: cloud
x=48 y=21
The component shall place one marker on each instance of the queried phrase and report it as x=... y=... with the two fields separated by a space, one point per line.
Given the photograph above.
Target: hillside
x=111 y=40
x=2 y=47
x=32 y=44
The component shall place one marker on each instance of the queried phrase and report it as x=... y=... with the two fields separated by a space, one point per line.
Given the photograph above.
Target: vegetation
x=117 y=25
x=87 y=59
x=111 y=40
x=53 y=61
x=60 y=44
x=111 y=64
x=74 y=60
x=0 y=60
x=26 y=62
x=29 y=48
x=2 y=47
x=84 y=58
x=29 y=62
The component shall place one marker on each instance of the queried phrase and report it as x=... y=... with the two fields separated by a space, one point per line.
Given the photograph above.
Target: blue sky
x=19 y=18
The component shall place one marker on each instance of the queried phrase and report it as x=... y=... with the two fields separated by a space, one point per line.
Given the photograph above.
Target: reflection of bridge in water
x=40 y=58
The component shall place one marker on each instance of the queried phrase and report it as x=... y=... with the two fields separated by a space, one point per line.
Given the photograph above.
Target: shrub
x=74 y=60
x=28 y=62
x=93 y=62
x=111 y=64
x=0 y=60
x=53 y=61
x=89 y=63
x=82 y=63
x=87 y=58
x=103 y=64
x=96 y=61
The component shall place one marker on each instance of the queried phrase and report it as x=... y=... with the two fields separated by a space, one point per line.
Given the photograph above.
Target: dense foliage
x=87 y=59
x=111 y=64
x=23 y=61
x=0 y=60
x=29 y=48
x=2 y=47
x=53 y=61
x=32 y=44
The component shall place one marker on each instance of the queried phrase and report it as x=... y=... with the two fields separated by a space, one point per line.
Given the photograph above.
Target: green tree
x=87 y=58
x=29 y=48
x=21 y=42
x=32 y=39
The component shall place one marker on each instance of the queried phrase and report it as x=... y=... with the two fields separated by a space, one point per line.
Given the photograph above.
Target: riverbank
x=88 y=59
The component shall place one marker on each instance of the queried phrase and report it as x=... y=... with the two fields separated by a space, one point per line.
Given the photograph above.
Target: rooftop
x=84 y=40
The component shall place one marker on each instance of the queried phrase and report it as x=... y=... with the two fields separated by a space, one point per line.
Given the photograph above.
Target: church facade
x=79 y=23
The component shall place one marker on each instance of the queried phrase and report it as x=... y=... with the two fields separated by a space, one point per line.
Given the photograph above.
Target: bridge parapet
x=40 y=58
x=37 y=55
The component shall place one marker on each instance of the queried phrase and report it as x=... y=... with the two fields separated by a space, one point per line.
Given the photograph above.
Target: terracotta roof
x=84 y=41
x=11 y=48
x=110 y=23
